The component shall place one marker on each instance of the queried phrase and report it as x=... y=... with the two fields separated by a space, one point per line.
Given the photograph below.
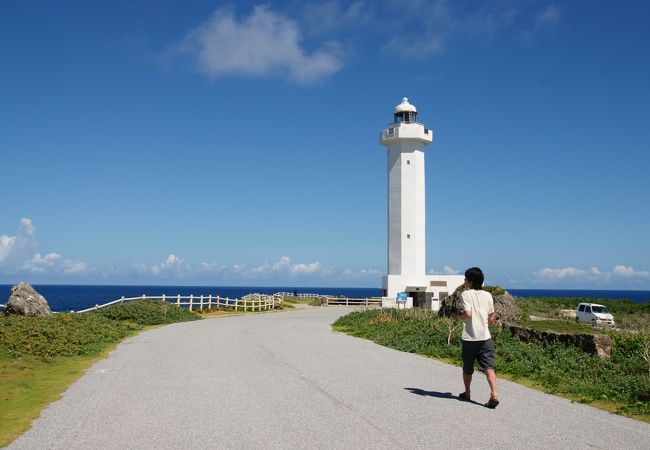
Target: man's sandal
x=464 y=396
x=492 y=403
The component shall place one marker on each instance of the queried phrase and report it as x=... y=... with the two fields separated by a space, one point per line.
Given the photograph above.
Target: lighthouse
x=406 y=140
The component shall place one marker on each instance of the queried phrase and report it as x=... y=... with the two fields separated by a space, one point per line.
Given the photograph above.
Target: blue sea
x=77 y=297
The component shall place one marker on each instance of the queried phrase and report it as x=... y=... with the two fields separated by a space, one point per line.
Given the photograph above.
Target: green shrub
x=59 y=335
x=147 y=312
x=494 y=290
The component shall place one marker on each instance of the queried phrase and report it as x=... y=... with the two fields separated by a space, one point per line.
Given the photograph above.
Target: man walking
x=477 y=343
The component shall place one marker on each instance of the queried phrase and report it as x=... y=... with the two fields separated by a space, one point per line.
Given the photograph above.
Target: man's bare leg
x=492 y=381
x=467 y=380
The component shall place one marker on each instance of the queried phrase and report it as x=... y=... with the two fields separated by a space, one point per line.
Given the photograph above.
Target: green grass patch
x=313 y=301
x=627 y=314
x=41 y=356
x=561 y=326
x=147 y=312
x=622 y=381
x=60 y=335
x=28 y=385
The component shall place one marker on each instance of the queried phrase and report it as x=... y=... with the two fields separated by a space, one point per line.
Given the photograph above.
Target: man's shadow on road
x=448 y=395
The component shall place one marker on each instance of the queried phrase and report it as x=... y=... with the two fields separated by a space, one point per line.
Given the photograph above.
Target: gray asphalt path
x=285 y=380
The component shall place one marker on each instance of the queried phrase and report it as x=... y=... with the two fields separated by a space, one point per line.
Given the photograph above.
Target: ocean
x=77 y=297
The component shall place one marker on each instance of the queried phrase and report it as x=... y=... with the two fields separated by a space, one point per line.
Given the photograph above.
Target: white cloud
x=73 y=268
x=371 y=275
x=619 y=274
x=334 y=16
x=172 y=265
x=549 y=17
x=571 y=274
x=17 y=256
x=629 y=272
x=446 y=270
x=264 y=43
x=286 y=267
x=40 y=264
x=18 y=248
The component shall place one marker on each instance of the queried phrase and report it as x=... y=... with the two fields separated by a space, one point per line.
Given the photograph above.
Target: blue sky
x=237 y=143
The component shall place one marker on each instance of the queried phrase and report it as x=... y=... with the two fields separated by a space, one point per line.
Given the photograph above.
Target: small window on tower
x=408 y=162
x=390 y=131
x=408 y=236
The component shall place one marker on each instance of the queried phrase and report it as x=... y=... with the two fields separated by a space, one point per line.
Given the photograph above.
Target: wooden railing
x=250 y=302
x=340 y=301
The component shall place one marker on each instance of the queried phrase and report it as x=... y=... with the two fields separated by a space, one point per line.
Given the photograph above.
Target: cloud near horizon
x=17 y=255
x=591 y=275
x=261 y=44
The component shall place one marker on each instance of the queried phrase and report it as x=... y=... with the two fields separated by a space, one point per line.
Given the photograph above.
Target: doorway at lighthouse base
x=423 y=292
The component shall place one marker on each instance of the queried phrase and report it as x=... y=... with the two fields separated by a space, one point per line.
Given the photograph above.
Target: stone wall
x=594 y=344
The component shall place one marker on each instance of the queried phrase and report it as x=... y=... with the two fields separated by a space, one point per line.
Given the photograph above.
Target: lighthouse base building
x=406 y=283
x=421 y=292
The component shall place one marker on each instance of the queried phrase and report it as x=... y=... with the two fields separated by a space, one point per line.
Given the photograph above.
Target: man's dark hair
x=475 y=277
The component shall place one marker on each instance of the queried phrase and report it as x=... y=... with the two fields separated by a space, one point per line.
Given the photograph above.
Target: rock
x=453 y=304
x=505 y=306
x=25 y=301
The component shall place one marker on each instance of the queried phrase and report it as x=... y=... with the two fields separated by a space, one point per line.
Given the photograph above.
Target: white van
x=594 y=314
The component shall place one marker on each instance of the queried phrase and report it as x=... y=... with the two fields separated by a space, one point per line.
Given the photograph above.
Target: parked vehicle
x=594 y=314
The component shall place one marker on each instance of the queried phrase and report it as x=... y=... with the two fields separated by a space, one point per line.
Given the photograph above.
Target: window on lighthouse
x=405 y=116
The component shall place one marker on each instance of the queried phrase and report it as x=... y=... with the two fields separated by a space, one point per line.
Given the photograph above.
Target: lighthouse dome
x=405 y=112
x=405 y=106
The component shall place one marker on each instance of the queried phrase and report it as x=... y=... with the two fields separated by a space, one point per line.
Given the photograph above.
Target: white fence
x=251 y=302
x=345 y=301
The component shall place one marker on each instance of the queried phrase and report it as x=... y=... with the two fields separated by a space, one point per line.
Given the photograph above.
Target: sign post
x=402 y=297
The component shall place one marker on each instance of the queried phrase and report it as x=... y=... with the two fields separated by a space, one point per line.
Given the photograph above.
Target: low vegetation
x=313 y=301
x=41 y=356
x=620 y=384
x=628 y=315
x=147 y=312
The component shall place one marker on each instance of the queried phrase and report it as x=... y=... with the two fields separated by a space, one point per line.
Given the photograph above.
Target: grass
x=627 y=314
x=313 y=301
x=620 y=383
x=561 y=326
x=147 y=312
x=30 y=384
x=41 y=356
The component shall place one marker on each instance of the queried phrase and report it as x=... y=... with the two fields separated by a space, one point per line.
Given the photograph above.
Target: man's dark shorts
x=481 y=351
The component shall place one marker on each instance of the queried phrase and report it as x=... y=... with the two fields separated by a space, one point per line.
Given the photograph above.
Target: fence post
x=201 y=303
x=366 y=302
x=178 y=300
x=143 y=296
x=122 y=299
x=210 y=302
x=163 y=298
x=236 y=304
x=191 y=300
x=347 y=301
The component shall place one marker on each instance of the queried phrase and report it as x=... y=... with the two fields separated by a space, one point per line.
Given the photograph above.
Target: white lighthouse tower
x=406 y=140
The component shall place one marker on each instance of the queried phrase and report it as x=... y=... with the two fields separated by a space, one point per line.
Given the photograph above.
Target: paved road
x=285 y=380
